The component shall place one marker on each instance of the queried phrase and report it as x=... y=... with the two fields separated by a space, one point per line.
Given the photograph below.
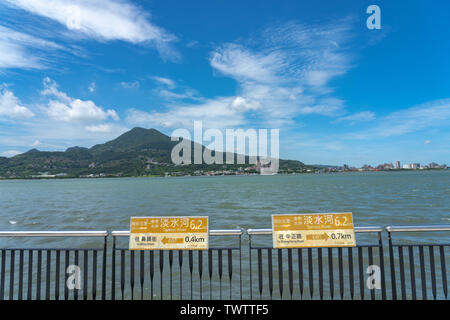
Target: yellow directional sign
x=169 y=233
x=313 y=230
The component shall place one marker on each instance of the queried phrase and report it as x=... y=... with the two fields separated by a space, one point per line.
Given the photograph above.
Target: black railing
x=418 y=270
x=227 y=270
x=314 y=273
x=41 y=273
x=215 y=273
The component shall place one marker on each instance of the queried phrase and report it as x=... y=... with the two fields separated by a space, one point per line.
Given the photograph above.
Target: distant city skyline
x=78 y=73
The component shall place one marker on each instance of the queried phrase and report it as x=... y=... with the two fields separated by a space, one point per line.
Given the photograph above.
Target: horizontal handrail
x=53 y=233
x=366 y=229
x=233 y=232
x=419 y=228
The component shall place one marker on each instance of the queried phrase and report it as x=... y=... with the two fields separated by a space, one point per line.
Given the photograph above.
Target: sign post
x=169 y=233
x=313 y=230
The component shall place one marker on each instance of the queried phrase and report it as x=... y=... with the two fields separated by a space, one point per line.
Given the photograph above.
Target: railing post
x=392 y=262
x=104 y=268
x=113 y=269
x=383 y=276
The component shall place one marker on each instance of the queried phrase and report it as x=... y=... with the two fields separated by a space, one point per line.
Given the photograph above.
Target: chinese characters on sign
x=169 y=233
x=313 y=230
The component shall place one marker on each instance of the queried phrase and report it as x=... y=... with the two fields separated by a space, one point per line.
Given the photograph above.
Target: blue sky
x=81 y=72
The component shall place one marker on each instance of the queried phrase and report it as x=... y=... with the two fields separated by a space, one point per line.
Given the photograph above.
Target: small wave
x=12 y=222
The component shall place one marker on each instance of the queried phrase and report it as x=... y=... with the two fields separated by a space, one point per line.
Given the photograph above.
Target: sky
x=82 y=72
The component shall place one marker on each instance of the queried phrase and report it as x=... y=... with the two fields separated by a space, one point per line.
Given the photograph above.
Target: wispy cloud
x=19 y=50
x=130 y=85
x=103 y=20
x=417 y=118
x=282 y=74
x=363 y=116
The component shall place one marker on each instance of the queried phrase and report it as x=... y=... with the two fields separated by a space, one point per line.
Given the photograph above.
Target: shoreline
x=220 y=175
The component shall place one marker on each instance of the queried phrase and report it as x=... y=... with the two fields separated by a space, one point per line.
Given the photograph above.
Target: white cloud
x=282 y=74
x=103 y=20
x=363 y=116
x=427 y=142
x=215 y=113
x=92 y=87
x=165 y=81
x=10 y=106
x=10 y=153
x=427 y=115
x=19 y=50
x=130 y=85
x=326 y=107
x=101 y=128
x=64 y=108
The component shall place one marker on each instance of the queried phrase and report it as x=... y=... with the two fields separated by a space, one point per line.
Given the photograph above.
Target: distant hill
x=137 y=152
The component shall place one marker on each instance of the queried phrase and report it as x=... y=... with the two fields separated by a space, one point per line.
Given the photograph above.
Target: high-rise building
x=397 y=164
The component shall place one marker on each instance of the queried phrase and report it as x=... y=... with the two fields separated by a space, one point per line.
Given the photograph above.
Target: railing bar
x=230 y=269
x=94 y=275
x=20 y=295
x=85 y=274
x=113 y=270
x=180 y=263
x=170 y=270
x=30 y=274
x=260 y=276
x=330 y=272
x=361 y=275
x=433 y=271
x=341 y=273
x=210 y=271
x=75 y=291
x=402 y=272
x=350 y=272
x=392 y=263
x=39 y=272
x=2 y=276
x=412 y=272
x=161 y=269
x=383 y=275
x=319 y=258
x=311 y=275
x=66 y=275
x=300 y=270
x=280 y=272
x=105 y=246
x=200 y=271
x=220 y=272
x=57 y=267
x=48 y=274
x=270 y=270
x=370 y=251
x=152 y=272
x=141 y=270
x=290 y=272
x=422 y=273
x=132 y=253
x=191 y=269
x=122 y=273
x=11 y=274
x=443 y=270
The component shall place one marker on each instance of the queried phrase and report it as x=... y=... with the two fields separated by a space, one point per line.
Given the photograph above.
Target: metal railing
x=27 y=274
x=227 y=270
x=275 y=279
x=432 y=257
x=152 y=270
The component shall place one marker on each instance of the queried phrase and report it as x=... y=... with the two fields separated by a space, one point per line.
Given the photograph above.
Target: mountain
x=138 y=152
